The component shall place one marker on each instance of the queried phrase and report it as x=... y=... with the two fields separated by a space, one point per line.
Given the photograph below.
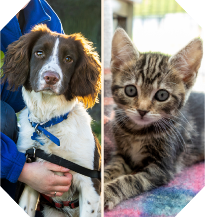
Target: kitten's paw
x=111 y=199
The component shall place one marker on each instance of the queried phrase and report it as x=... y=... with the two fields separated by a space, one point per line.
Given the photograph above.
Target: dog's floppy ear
x=86 y=80
x=16 y=61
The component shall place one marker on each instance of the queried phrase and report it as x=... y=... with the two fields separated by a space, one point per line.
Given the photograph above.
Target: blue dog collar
x=40 y=129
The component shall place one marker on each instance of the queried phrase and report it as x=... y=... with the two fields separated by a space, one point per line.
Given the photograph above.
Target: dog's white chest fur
x=75 y=135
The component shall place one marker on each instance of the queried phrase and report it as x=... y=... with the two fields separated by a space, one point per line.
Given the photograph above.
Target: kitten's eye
x=131 y=90
x=68 y=59
x=39 y=54
x=161 y=95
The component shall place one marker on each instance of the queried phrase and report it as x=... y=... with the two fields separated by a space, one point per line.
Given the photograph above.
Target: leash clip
x=37 y=130
x=34 y=152
x=28 y=159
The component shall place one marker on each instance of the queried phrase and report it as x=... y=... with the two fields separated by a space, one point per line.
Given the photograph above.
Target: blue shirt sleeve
x=12 y=161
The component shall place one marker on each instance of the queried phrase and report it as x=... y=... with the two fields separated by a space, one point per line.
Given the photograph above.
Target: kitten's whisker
x=185 y=119
x=119 y=122
x=171 y=134
x=169 y=125
x=177 y=132
x=183 y=128
x=181 y=119
x=166 y=129
x=159 y=126
x=119 y=119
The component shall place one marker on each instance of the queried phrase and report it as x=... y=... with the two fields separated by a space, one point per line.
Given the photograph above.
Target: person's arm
x=13 y=98
x=12 y=161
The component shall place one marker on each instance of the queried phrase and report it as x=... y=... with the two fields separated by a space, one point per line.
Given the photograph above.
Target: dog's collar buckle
x=37 y=130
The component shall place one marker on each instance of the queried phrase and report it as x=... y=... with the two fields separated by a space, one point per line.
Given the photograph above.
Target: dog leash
x=32 y=153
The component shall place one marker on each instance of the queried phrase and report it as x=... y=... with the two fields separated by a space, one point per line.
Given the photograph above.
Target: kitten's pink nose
x=51 y=78
x=142 y=112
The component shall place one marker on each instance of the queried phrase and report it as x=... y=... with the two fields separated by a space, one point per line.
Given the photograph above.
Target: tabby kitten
x=158 y=128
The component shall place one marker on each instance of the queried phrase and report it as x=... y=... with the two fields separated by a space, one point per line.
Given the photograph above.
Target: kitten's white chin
x=142 y=122
x=145 y=121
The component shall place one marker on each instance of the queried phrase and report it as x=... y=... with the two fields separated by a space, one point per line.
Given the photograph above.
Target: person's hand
x=40 y=177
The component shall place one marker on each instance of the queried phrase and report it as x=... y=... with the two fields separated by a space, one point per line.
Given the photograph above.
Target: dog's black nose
x=142 y=112
x=51 y=78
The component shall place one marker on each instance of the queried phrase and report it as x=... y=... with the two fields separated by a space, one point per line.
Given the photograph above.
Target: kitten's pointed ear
x=188 y=60
x=123 y=49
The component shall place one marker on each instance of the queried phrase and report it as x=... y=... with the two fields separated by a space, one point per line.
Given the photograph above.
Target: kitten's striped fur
x=151 y=149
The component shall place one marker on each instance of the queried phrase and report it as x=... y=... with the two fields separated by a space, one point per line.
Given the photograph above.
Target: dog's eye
x=68 y=59
x=39 y=54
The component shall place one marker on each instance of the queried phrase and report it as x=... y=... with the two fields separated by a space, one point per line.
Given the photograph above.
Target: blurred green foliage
x=96 y=127
x=82 y=16
x=156 y=8
x=2 y=62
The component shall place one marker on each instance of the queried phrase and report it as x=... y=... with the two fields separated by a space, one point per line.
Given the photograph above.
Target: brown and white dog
x=60 y=74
